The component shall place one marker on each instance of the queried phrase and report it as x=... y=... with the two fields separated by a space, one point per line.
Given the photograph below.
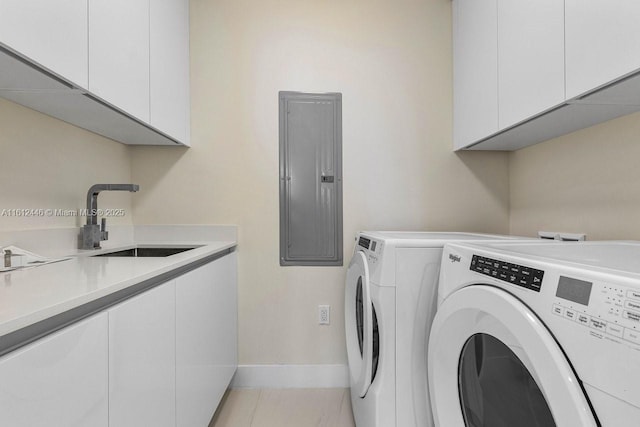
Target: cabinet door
x=206 y=339
x=602 y=42
x=530 y=58
x=169 y=56
x=475 y=70
x=59 y=380
x=142 y=359
x=119 y=54
x=50 y=33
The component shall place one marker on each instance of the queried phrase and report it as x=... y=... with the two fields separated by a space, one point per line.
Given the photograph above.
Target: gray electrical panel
x=310 y=179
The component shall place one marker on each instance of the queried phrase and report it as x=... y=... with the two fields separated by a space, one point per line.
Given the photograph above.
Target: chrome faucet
x=92 y=233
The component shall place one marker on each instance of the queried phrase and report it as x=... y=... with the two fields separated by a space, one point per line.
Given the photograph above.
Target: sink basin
x=155 y=252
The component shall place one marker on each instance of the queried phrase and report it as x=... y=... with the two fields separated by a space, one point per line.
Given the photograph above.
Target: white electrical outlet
x=324 y=314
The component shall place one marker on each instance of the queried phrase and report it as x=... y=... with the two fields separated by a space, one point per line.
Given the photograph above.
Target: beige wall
x=46 y=163
x=392 y=63
x=587 y=181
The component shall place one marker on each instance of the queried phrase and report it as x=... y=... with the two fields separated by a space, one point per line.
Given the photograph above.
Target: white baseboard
x=291 y=376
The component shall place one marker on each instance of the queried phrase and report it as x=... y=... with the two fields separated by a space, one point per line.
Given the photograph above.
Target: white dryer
x=537 y=335
x=390 y=299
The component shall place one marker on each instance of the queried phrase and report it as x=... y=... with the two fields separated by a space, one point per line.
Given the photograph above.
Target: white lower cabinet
x=161 y=358
x=59 y=380
x=142 y=359
x=206 y=339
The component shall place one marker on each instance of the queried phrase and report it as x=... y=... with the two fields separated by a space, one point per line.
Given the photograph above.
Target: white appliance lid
x=621 y=255
x=429 y=235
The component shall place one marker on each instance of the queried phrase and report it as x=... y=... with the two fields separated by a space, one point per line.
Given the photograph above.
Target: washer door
x=359 y=324
x=493 y=363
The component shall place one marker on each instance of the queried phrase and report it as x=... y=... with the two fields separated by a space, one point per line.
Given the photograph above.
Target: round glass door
x=493 y=363
x=359 y=324
x=496 y=389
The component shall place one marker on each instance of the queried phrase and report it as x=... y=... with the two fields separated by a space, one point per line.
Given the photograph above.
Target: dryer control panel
x=606 y=309
x=515 y=274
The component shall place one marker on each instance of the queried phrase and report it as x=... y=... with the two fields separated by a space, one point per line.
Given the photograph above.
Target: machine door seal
x=492 y=360
x=359 y=324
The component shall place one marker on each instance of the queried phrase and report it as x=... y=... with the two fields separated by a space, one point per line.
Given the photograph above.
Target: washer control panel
x=372 y=249
x=515 y=274
x=367 y=243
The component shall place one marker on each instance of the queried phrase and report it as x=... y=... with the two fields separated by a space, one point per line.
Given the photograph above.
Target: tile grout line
x=344 y=396
x=255 y=408
x=344 y=392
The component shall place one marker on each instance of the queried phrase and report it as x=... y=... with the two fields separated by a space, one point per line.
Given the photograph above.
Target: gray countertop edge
x=14 y=340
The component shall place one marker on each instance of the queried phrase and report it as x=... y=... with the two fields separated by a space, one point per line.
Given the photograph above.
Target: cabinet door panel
x=169 y=56
x=142 y=359
x=603 y=42
x=60 y=380
x=119 y=54
x=530 y=58
x=51 y=33
x=475 y=70
x=206 y=339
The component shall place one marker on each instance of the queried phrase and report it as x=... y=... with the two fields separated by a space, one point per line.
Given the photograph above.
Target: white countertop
x=31 y=295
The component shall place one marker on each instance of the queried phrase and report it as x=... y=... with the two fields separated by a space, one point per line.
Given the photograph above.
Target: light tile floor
x=327 y=407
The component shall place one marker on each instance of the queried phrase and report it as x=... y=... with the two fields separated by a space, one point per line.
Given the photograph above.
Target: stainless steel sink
x=149 y=252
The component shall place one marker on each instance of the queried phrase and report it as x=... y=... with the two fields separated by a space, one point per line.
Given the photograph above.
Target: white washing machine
x=390 y=299
x=537 y=335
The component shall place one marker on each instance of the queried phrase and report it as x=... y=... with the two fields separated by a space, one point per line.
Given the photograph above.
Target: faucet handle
x=104 y=234
x=90 y=236
x=7 y=258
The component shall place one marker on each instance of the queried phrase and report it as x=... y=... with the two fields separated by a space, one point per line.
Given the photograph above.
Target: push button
x=615 y=330
x=633 y=294
x=631 y=315
x=632 y=305
x=558 y=309
x=570 y=314
x=598 y=324
x=583 y=319
x=631 y=335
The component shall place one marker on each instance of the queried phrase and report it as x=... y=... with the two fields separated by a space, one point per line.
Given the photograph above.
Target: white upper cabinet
x=603 y=42
x=562 y=65
x=93 y=63
x=169 y=70
x=50 y=33
x=530 y=58
x=475 y=73
x=119 y=54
